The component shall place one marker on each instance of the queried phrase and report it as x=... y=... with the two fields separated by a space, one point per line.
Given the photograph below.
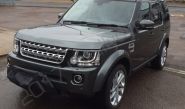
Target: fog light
x=77 y=79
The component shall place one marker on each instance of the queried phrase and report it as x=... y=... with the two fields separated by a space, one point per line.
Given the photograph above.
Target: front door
x=146 y=39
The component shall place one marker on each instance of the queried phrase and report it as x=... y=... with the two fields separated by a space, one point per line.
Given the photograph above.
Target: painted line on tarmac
x=177 y=15
x=177 y=71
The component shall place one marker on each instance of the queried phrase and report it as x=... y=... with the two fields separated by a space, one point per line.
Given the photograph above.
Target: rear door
x=158 y=31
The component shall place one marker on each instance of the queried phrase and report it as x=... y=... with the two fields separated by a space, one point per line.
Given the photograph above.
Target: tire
x=116 y=88
x=159 y=62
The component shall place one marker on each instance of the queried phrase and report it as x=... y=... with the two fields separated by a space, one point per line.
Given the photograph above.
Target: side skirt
x=144 y=63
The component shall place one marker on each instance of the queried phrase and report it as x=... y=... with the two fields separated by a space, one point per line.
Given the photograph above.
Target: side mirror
x=146 y=24
x=60 y=15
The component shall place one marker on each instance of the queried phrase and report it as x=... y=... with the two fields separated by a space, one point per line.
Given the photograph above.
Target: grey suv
x=92 y=49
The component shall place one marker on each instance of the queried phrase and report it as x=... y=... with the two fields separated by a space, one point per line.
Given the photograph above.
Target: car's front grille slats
x=43 y=52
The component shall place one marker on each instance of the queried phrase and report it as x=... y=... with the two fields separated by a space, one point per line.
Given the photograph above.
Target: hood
x=72 y=36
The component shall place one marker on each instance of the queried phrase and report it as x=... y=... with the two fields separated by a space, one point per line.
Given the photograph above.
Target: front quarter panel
x=106 y=68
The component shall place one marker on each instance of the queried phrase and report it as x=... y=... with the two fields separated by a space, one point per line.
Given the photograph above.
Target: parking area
x=147 y=88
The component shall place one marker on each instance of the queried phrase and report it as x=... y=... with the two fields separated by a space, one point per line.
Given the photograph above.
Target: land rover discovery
x=93 y=48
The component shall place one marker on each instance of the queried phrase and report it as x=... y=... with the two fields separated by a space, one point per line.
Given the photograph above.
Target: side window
x=145 y=11
x=156 y=13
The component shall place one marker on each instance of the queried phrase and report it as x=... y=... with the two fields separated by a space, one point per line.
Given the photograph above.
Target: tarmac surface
x=147 y=88
x=25 y=17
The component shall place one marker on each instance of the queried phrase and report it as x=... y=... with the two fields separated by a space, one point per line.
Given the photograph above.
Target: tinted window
x=156 y=13
x=145 y=11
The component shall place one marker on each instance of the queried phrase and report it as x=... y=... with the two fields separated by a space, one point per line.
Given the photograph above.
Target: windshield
x=117 y=12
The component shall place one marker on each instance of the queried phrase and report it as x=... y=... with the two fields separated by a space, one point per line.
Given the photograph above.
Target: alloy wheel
x=118 y=88
x=163 y=56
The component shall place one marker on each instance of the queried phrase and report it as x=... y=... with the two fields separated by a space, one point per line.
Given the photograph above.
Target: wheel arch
x=126 y=63
x=167 y=41
x=118 y=57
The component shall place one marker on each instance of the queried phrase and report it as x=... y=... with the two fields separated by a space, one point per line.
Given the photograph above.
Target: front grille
x=42 y=52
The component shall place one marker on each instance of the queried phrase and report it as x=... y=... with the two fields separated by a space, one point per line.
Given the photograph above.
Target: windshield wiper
x=93 y=24
x=112 y=25
x=68 y=22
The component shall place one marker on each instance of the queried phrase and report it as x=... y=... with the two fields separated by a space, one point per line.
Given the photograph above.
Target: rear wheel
x=115 y=88
x=160 y=60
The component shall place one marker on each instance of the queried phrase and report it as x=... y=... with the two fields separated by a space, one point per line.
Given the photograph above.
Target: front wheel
x=115 y=87
x=160 y=60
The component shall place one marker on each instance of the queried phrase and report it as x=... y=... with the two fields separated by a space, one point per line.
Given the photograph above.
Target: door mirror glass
x=146 y=24
x=60 y=15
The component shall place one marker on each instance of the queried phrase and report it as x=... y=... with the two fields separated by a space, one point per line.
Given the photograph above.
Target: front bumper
x=24 y=72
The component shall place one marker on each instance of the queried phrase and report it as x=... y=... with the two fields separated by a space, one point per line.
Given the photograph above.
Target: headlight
x=85 y=58
x=16 y=46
